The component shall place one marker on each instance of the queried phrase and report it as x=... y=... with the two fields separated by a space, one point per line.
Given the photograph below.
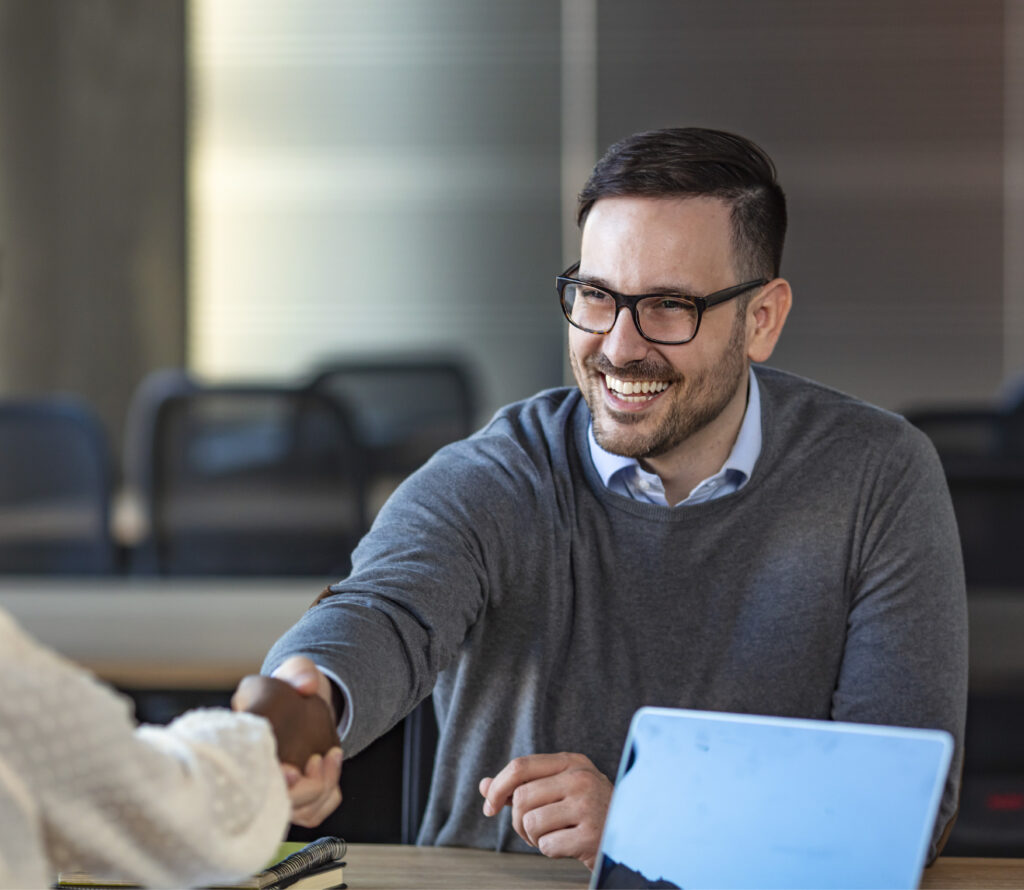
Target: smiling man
x=683 y=529
x=656 y=392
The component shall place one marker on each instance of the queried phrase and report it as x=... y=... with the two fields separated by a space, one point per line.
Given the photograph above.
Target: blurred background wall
x=376 y=177
x=355 y=177
x=886 y=122
x=92 y=199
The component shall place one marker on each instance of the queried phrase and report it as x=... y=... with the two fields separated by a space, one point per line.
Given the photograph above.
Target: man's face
x=660 y=245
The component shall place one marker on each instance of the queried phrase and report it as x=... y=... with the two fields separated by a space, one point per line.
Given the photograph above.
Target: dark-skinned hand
x=302 y=724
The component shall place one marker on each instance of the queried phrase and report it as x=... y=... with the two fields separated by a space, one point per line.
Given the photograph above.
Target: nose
x=623 y=343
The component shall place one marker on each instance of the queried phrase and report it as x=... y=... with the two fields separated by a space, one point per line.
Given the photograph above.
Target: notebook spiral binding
x=321 y=852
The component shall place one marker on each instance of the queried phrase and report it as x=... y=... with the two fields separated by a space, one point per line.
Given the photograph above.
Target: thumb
x=300 y=672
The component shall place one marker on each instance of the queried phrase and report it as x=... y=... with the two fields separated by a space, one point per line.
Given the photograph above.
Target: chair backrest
x=420 y=735
x=982 y=453
x=967 y=432
x=404 y=408
x=246 y=479
x=55 y=483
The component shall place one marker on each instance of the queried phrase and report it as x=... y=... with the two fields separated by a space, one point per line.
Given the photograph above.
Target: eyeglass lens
x=663 y=318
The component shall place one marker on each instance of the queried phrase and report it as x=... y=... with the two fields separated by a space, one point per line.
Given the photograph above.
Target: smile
x=635 y=390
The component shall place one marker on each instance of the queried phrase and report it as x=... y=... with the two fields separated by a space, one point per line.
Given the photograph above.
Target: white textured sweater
x=81 y=788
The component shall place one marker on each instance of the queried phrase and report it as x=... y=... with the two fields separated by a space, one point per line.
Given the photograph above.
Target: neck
x=702 y=454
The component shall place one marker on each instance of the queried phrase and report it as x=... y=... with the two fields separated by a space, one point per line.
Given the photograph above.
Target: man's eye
x=667 y=304
x=592 y=294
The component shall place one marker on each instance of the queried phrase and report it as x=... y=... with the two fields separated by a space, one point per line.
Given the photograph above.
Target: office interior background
x=251 y=188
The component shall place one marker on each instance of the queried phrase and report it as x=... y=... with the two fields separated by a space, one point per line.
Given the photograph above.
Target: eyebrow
x=675 y=290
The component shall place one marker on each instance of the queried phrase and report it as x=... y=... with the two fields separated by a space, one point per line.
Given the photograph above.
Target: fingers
x=245 y=695
x=572 y=843
x=301 y=673
x=306 y=677
x=560 y=811
x=519 y=772
x=534 y=824
x=314 y=793
x=539 y=807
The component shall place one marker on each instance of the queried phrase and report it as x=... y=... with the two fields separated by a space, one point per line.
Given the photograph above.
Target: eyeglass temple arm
x=730 y=292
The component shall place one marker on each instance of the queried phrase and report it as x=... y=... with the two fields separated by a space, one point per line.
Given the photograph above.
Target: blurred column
x=92 y=196
x=1013 y=233
x=376 y=178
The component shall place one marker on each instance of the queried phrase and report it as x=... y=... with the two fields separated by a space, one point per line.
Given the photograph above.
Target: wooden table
x=386 y=867
x=160 y=633
x=395 y=867
x=955 y=873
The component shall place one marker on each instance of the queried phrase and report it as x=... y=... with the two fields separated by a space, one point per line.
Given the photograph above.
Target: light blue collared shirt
x=625 y=476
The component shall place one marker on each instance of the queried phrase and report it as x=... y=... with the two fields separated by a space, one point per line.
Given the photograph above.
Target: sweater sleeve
x=905 y=660
x=198 y=801
x=420 y=580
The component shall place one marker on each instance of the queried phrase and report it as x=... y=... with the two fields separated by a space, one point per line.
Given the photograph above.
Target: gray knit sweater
x=543 y=609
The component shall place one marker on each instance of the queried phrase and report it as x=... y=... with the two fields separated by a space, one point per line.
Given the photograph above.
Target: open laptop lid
x=706 y=799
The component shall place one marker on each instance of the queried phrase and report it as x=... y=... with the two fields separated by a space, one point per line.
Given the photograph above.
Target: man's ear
x=766 y=316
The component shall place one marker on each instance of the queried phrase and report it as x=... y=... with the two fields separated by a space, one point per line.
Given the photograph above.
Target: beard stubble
x=707 y=394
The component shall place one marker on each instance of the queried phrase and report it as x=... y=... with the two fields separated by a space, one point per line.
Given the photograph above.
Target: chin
x=624 y=438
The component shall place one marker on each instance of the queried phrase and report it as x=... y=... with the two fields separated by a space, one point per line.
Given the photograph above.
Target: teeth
x=635 y=387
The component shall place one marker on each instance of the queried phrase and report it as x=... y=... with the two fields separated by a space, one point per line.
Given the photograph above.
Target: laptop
x=706 y=799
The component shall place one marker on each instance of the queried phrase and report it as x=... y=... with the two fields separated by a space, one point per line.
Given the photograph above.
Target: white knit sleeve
x=199 y=801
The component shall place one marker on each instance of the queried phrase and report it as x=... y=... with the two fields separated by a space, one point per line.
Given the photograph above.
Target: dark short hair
x=695 y=162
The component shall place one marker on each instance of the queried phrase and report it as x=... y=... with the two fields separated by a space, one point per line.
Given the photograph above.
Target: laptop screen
x=706 y=799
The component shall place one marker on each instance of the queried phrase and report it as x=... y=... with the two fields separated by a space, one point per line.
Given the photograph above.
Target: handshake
x=305 y=728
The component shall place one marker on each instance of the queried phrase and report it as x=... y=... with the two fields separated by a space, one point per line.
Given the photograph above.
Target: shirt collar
x=741 y=459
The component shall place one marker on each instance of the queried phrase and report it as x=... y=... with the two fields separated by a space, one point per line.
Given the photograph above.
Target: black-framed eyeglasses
x=669 y=319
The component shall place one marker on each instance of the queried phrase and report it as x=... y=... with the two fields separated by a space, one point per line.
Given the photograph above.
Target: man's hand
x=559 y=803
x=314 y=791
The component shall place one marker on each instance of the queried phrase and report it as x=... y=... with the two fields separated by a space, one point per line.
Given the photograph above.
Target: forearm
x=384 y=633
x=200 y=801
x=375 y=674
x=160 y=806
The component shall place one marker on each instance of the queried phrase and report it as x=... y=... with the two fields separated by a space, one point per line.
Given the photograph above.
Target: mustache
x=642 y=369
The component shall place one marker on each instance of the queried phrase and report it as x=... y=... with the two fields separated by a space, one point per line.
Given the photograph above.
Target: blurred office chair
x=991 y=820
x=1010 y=397
x=244 y=479
x=385 y=786
x=404 y=408
x=253 y=479
x=419 y=731
x=982 y=454
x=55 y=481
x=971 y=432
